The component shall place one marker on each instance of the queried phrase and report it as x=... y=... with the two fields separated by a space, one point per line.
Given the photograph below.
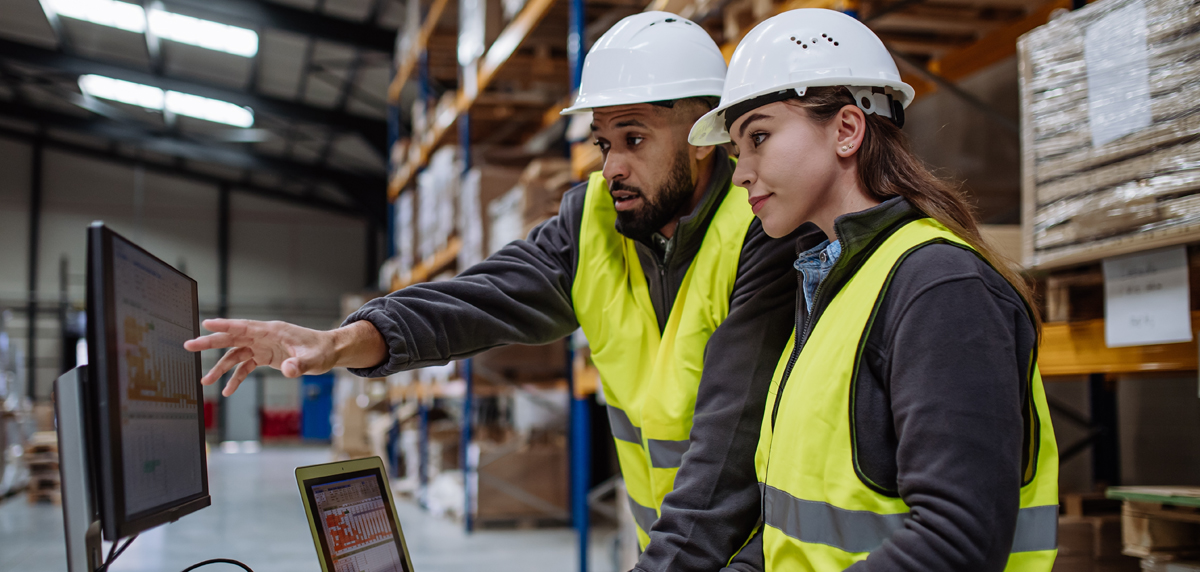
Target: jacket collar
x=690 y=231
x=861 y=233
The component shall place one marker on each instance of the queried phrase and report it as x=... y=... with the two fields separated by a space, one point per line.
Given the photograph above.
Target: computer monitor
x=132 y=420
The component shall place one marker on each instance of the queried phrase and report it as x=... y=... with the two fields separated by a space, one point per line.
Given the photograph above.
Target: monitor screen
x=148 y=389
x=358 y=530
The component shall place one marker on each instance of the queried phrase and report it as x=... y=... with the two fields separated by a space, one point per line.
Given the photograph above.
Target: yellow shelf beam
x=1078 y=348
x=501 y=50
x=430 y=267
x=414 y=55
x=994 y=47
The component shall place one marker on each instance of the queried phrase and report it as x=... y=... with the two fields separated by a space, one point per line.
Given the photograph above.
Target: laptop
x=352 y=517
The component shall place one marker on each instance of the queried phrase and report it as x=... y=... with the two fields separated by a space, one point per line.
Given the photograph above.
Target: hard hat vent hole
x=670 y=20
x=805 y=46
x=835 y=43
x=823 y=36
x=793 y=38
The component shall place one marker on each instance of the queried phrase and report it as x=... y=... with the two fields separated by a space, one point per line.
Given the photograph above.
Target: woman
x=906 y=427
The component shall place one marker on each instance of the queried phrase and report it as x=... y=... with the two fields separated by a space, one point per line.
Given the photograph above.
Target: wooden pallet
x=1088 y=504
x=54 y=497
x=1159 y=520
x=43 y=442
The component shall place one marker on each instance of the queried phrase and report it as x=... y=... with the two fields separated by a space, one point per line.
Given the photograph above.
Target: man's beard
x=657 y=211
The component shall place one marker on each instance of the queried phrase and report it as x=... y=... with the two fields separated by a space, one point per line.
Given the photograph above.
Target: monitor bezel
x=105 y=389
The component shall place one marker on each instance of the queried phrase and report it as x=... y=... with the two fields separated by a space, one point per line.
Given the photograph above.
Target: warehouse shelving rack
x=936 y=42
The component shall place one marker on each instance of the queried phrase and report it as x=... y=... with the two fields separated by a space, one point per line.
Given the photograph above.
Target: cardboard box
x=529 y=482
x=524 y=364
x=544 y=182
x=1091 y=544
x=1108 y=124
x=480 y=187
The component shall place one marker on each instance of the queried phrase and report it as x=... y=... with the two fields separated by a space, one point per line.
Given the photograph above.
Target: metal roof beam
x=270 y=15
x=245 y=187
x=366 y=192
x=374 y=131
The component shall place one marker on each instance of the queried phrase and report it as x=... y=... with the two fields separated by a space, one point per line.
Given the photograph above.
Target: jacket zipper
x=801 y=338
x=668 y=297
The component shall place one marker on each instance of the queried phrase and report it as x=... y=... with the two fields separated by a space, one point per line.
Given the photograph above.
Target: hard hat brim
x=710 y=128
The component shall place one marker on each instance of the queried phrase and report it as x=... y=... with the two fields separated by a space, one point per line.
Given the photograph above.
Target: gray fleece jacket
x=940 y=401
x=522 y=294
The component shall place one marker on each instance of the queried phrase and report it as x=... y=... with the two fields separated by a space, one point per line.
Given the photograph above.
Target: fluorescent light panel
x=122 y=91
x=175 y=102
x=204 y=33
x=110 y=13
x=167 y=25
x=209 y=109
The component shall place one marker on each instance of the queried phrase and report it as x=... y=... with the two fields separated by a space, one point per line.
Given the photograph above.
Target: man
x=653 y=258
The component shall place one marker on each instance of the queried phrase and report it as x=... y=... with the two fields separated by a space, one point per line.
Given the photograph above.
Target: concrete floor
x=256 y=517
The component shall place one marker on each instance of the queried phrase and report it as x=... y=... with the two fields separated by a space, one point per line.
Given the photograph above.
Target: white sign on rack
x=1146 y=298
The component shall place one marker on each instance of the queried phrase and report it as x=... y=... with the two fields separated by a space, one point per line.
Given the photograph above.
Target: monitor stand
x=80 y=522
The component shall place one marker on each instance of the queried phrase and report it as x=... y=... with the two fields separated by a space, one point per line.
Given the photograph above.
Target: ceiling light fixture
x=204 y=33
x=123 y=15
x=209 y=109
x=123 y=91
x=166 y=25
x=175 y=102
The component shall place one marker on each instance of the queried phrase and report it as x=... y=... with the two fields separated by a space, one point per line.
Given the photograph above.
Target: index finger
x=209 y=342
x=227 y=325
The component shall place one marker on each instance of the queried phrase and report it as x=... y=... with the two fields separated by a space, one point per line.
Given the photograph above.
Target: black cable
x=113 y=552
x=218 y=561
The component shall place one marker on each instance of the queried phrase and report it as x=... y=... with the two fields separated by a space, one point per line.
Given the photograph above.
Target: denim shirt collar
x=814 y=265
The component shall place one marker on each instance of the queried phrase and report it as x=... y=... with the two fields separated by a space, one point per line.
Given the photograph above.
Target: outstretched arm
x=521 y=294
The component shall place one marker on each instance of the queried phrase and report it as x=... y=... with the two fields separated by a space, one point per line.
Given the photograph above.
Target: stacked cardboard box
x=522 y=482
x=1091 y=544
x=480 y=187
x=1109 y=117
x=544 y=182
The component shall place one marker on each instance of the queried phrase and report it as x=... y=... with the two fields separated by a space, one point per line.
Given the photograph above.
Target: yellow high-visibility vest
x=818 y=514
x=650 y=380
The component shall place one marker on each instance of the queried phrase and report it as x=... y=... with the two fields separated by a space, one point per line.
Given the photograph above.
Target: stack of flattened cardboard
x=544 y=182
x=1110 y=131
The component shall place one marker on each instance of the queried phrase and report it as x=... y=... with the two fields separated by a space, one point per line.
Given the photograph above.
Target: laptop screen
x=358 y=530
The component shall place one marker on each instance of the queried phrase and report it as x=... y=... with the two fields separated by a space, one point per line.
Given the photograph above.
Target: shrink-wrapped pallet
x=437 y=195
x=406 y=251
x=1110 y=131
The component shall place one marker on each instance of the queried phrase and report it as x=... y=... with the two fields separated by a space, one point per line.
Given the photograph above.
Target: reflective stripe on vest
x=864 y=531
x=663 y=454
x=644 y=516
x=819 y=513
x=650 y=377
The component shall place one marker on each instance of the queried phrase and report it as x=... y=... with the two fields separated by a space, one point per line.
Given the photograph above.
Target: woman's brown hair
x=888 y=168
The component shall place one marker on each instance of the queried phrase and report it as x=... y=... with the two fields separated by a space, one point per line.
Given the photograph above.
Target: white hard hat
x=799 y=49
x=647 y=57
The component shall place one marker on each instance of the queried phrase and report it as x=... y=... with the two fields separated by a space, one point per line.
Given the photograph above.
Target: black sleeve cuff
x=396 y=340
